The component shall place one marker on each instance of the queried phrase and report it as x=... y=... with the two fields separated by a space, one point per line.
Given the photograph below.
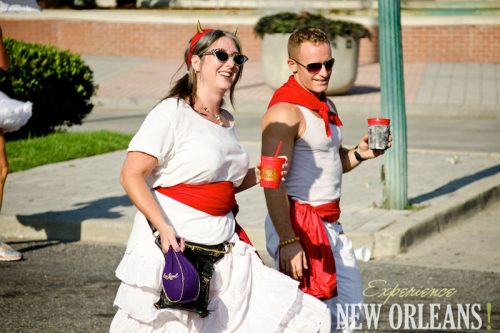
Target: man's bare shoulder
x=283 y=112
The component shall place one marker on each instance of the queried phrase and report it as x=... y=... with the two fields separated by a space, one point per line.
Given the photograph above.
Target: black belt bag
x=203 y=257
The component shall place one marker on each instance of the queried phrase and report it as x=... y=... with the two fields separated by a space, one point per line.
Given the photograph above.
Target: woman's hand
x=284 y=168
x=168 y=237
x=257 y=173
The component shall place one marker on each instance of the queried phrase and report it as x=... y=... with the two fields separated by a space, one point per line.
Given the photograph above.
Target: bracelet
x=288 y=241
x=358 y=157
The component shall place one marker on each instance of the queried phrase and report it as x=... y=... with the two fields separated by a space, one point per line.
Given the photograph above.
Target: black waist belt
x=203 y=257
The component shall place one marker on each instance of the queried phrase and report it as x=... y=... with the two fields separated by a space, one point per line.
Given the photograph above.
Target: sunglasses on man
x=315 y=67
x=222 y=56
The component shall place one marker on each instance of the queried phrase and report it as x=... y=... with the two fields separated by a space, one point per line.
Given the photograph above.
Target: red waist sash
x=216 y=199
x=320 y=280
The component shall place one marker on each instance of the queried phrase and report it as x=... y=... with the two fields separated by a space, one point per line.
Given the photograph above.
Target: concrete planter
x=276 y=71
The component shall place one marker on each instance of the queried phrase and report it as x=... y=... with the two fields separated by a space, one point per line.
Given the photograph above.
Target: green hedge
x=287 y=22
x=58 y=83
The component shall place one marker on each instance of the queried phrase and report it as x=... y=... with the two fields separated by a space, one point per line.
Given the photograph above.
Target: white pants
x=349 y=282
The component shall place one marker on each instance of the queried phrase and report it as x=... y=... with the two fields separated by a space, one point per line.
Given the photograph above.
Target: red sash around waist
x=216 y=199
x=320 y=280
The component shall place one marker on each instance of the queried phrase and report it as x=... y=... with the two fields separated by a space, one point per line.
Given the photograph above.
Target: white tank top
x=315 y=176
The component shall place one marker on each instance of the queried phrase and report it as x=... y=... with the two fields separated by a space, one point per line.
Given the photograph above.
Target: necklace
x=219 y=119
x=218 y=116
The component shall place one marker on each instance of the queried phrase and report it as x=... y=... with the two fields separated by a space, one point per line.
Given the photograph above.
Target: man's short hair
x=307 y=34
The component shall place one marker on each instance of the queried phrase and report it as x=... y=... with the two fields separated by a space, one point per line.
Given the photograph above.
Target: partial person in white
x=13 y=115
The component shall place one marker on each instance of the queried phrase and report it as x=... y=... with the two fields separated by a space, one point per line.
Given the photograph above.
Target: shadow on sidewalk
x=32 y=245
x=361 y=90
x=66 y=225
x=456 y=184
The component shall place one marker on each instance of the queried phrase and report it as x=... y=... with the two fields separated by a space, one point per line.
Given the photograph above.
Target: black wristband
x=358 y=156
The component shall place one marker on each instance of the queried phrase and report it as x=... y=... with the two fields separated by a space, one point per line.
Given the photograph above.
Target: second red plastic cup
x=270 y=171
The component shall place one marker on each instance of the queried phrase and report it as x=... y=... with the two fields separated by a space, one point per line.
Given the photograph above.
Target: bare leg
x=4 y=166
x=6 y=252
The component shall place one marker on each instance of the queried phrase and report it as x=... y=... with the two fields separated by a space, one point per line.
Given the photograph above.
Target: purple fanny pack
x=180 y=280
x=186 y=275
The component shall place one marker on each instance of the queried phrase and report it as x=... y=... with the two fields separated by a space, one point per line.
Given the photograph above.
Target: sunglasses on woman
x=315 y=67
x=222 y=56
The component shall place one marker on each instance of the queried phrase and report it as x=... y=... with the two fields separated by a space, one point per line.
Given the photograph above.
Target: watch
x=358 y=157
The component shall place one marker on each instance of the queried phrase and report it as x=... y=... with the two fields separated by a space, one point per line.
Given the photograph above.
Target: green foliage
x=61 y=146
x=58 y=83
x=286 y=22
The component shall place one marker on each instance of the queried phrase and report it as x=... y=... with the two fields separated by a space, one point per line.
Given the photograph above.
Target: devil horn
x=198 y=27
x=235 y=31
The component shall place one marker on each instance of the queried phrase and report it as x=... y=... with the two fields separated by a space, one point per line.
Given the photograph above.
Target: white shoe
x=9 y=254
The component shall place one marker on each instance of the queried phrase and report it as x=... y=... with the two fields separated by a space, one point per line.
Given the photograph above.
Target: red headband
x=193 y=42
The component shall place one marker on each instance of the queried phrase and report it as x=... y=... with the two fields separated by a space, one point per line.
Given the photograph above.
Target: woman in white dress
x=13 y=115
x=178 y=164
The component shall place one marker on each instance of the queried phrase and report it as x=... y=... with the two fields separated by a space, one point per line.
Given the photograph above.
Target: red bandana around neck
x=293 y=92
x=193 y=42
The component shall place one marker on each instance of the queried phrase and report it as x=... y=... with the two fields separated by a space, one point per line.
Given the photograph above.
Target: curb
x=448 y=211
x=92 y=230
x=423 y=110
x=96 y=231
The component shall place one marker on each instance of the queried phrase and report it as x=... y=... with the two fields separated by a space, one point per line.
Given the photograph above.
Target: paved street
x=69 y=287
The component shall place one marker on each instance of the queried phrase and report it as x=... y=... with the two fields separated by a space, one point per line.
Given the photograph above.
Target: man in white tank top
x=304 y=211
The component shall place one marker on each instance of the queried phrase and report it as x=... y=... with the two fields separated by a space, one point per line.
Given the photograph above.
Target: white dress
x=13 y=113
x=245 y=295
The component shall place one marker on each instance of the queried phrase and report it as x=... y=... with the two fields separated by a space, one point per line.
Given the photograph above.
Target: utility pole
x=395 y=168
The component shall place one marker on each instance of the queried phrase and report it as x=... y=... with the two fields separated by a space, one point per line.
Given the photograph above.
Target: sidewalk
x=435 y=89
x=83 y=200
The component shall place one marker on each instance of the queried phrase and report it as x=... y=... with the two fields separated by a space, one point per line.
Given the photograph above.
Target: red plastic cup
x=270 y=171
x=378 y=133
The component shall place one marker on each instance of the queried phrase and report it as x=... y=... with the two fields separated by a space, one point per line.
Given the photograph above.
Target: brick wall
x=368 y=48
x=471 y=43
x=117 y=38
x=457 y=43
